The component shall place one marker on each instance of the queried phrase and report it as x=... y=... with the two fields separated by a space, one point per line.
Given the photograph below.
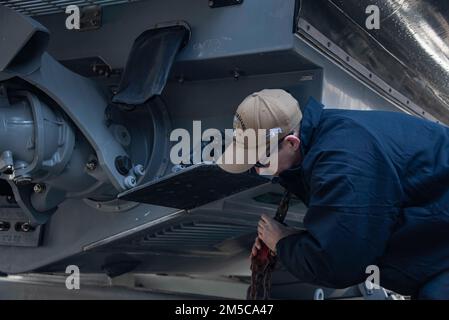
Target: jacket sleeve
x=352 y=211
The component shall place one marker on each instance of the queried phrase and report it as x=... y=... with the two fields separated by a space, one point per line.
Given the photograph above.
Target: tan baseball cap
x=274 y=110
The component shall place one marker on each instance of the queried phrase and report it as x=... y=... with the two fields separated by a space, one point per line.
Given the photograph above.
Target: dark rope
x=263 y=264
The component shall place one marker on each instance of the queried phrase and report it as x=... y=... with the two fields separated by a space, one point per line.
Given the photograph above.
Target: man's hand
x=270 y=232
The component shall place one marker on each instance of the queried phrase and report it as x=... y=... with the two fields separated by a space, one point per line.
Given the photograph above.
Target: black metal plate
x=193 y=187
x=224 y=3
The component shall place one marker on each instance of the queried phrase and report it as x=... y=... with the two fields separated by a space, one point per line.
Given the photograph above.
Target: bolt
x=211 y=3
x=236 y=74
x=139 y=170
x=26 y=227
x=38 y=188
x=92 y=165
x=130 y=182
x=4 y=226
x=10 y=199
x=9 y=170
x=177 y=168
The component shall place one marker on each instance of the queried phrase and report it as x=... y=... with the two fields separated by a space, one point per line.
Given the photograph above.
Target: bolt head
x=91 y=165
x=139 y=170
x=9 y=170
x=26 y=227
x=38 y=188
x=4 y=226
x=10 y=199
x=130 y=182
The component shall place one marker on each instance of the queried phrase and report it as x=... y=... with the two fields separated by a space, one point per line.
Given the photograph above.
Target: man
x=376 y=185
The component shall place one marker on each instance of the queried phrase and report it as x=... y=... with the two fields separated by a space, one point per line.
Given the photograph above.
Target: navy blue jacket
x=376 y=185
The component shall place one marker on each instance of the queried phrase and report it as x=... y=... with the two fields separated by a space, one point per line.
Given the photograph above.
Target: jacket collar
x=310 y=119
x=311 y=116
x=292 y=179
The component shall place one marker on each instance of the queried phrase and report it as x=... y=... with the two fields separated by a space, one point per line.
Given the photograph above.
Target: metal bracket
x=14 y=228
x=85 y=110
x=81 y=99
x=224 y=3
x=22 y=194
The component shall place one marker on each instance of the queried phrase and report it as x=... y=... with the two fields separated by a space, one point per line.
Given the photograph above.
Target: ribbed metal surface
x=194 y=235
x=42 y=7
x=410 y=51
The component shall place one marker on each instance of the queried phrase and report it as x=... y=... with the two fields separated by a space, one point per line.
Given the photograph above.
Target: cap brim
x=236 y=168
x=232 y=166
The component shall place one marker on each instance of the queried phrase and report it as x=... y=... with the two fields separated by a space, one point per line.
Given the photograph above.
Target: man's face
x=288 y=154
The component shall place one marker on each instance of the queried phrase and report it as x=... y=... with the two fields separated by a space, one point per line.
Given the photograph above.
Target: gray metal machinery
x=86 y=115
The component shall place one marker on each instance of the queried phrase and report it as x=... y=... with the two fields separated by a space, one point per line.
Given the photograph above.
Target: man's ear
x=294 y=141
